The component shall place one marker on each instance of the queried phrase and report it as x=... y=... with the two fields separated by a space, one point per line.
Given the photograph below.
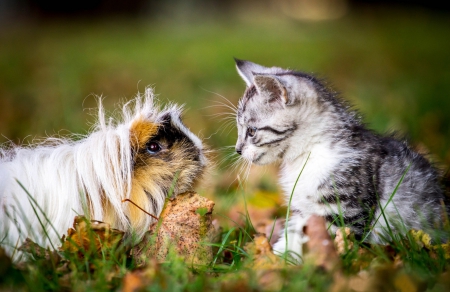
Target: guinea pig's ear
x=247 y=70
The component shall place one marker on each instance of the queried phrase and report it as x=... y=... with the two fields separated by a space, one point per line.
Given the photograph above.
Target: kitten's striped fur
x=286 y=116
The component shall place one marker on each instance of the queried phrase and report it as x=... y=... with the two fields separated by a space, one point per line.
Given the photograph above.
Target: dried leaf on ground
x=265 y=263
x=90 y=236
x=138 y=279
x=423 y=240
x=261 y=254
x=320 y=249
x=378 y=275
x=37 y=251
x=343 y=241
x=185 y=225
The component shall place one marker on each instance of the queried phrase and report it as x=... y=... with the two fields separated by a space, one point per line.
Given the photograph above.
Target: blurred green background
x=391 y=61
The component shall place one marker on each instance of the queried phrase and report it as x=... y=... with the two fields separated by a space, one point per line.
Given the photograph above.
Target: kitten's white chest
x=316 y=169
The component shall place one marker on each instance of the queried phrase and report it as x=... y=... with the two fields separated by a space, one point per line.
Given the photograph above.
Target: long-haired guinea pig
x=139 y=158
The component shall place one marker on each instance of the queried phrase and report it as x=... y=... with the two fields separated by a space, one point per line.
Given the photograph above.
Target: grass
x=92 y=261
x=405 y=260
x=288 y=211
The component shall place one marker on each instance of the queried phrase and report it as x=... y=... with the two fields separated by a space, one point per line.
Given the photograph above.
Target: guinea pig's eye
x=251 y=131
x=153 y=147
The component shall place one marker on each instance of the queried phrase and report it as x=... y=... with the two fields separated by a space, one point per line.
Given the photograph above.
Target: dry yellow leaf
x=262 y=255
x=265 y=263
x=342 y=240
x=422 y=239
x=90 y=236
x=445 y=248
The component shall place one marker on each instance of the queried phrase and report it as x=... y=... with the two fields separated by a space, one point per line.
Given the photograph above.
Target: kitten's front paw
x=292 y=249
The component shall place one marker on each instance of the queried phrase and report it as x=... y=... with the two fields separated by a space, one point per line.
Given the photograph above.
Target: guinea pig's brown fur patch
x=140 y=132
x=176 y=164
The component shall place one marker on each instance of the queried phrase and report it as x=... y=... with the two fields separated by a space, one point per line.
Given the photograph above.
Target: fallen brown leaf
x=138 y=279
x=37 y=251
x=265 y=263
x=132 y=282
x=90 y=236
x=320 y=249
x=185 y=225
x=262 y=255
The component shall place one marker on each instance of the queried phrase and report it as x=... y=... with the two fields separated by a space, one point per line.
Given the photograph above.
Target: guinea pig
x=142 y=156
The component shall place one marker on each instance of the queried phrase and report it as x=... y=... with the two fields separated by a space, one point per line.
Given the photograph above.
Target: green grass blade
x=224 y=240
x=385 y=206
x=40 y=209
x=289 y=208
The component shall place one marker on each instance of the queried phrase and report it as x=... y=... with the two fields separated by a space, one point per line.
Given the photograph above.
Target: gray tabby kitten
x=286 y=116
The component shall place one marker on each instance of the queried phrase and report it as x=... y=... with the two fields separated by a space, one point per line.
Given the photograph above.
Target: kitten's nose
x=239 y=151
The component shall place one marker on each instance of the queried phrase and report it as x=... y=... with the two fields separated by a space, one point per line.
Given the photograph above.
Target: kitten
x=292 y=118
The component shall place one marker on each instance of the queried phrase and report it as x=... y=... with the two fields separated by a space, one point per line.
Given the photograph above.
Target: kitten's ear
x=272 y=87
x=247 y=70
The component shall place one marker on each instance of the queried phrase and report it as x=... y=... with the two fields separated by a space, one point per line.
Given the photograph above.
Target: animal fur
x=349 y=173
x=96 y=173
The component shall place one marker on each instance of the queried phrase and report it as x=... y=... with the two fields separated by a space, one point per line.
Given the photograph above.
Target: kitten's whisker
x=227 y=122
x=231 y=115
x=226 y=159
x=242 y=166
x=238 y=162
x=229 y=103
x=229 y=154
x=226 y=99
x=227 y=128
x=220 y=104
x=230 y=129
x=228 y=119
x=249 y=167
x=226 y=147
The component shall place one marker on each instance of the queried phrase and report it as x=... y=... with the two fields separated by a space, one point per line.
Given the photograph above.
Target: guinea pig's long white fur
x=63 y=178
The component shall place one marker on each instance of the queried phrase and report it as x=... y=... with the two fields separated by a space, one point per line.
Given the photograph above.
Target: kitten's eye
x=251 y=131
x=153 y=147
